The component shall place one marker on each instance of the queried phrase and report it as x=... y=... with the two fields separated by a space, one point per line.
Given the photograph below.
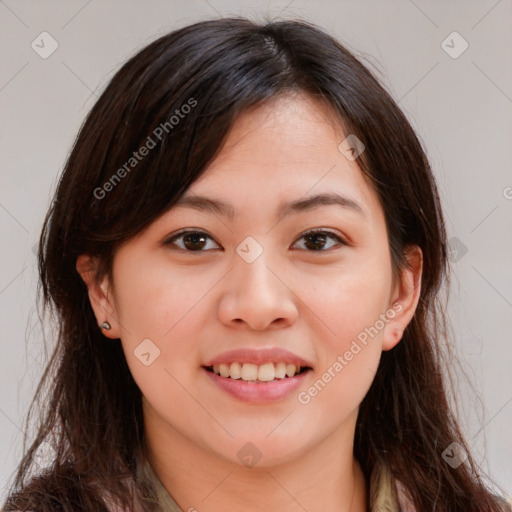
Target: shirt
x=385 y=493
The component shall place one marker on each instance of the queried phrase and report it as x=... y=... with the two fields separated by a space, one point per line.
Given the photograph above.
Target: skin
x=196 y=305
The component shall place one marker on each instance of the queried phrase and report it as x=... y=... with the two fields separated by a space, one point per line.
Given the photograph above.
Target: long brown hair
x=93 y=413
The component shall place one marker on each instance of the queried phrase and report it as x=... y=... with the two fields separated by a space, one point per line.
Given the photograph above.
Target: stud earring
x=105 y=325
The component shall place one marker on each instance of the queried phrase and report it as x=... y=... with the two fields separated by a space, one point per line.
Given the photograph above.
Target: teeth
x=235 y=371
x=280 y=370
x=224 y=370
x=249 y=371
x=266 y=372
x=253 y=372
x=290 y=370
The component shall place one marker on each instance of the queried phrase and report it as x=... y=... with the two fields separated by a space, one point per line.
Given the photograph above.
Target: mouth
x=258 y=373
x=258 y=376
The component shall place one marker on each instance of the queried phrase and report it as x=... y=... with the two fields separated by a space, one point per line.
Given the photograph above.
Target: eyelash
x=170 y=241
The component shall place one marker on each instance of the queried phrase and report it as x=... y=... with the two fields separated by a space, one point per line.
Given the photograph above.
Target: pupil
x=314 y=236
x=194 y=237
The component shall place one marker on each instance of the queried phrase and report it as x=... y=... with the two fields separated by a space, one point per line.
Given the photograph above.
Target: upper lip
x=258 y=356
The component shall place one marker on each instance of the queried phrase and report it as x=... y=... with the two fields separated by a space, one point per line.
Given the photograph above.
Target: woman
x=245 y=255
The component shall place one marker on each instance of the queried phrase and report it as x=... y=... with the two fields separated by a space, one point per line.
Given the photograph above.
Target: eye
x=316 y=239
x=197 y=241
x=193 y=241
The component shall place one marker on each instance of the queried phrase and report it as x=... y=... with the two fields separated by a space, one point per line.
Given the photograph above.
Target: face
x=255 y=295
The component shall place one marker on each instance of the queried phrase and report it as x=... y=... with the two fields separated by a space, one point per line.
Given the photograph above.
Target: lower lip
x=261 y=392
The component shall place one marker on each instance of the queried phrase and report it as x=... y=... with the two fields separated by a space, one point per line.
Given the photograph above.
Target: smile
x=246 y=381
x=254 y=373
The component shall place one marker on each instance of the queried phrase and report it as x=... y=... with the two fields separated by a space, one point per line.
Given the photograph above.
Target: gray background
x=461 y=108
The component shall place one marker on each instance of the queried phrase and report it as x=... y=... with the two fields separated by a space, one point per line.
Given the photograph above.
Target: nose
x=256 y=295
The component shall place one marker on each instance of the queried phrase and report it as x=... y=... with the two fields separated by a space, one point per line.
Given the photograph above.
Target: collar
x=386 y=494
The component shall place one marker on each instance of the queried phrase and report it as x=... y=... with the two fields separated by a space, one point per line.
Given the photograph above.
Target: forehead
x=283 y=152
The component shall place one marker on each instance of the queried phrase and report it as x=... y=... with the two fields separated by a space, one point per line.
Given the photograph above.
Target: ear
x=101 y=300
x=405 y=297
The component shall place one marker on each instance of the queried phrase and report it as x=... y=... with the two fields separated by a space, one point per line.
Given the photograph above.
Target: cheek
x=351 y=323
x=335 y=395
x=161 y=311
x=347 y=301
x=156 y=299
x=350 y=307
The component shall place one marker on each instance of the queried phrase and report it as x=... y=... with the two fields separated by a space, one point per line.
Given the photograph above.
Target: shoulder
x=50 y=492
x=506 y=503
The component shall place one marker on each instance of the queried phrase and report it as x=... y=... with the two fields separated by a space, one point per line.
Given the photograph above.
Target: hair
x=220 y=68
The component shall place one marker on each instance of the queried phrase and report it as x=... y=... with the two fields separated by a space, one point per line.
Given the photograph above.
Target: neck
x=327 y=477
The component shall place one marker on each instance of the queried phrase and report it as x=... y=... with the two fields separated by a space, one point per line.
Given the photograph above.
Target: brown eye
x=316 y=240
x=197 y=241
x=192 y=241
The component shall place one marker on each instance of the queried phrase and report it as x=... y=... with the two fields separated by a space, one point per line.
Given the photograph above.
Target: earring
x=105 y=325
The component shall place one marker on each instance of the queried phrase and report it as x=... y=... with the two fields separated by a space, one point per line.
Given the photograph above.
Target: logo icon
x=456 y=249
x=146 y=352
x=44 y=45
x=454 y=45
x=454 y=455
x=351 y=147
x=249 y=249
x=249 y=455
x=44 y=455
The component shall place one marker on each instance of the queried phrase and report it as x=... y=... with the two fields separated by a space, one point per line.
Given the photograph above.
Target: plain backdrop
x=455 y=88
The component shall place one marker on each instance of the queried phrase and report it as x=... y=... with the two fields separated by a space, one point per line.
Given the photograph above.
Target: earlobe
x=406 y=297
x=99 y=298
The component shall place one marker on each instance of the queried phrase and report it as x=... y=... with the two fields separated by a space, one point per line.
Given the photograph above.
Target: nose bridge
x=252 y=266
x=255 y=293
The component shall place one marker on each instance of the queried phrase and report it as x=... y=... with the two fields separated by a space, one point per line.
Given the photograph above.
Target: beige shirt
x=386 y=495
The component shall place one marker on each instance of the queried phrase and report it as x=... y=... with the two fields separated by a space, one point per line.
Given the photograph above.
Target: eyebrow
x=215 y=206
